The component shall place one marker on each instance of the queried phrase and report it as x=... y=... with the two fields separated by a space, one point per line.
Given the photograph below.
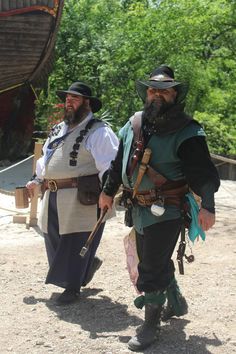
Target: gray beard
x=75 y=117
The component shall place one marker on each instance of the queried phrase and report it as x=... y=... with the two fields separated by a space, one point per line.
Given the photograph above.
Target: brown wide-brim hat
x=81 y=89
x=162 y=78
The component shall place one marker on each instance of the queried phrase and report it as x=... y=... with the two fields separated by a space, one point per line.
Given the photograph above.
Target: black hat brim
x=95 y=103
x=142 y=86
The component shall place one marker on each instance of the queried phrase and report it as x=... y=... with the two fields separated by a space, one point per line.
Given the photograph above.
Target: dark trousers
x=67 y=268
x=155 y=248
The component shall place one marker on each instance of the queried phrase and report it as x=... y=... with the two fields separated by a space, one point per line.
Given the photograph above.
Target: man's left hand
x=206 y=219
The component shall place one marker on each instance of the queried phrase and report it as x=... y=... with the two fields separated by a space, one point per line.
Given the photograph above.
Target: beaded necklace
x=79 y=139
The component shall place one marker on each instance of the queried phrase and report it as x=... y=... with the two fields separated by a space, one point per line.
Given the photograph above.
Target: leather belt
x=54 y=184
x=148 y=200
x=168 y=197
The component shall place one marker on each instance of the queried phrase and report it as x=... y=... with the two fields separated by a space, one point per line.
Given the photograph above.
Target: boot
x=149 y=331
x=94 y=267
x=176 y=302
x=68 y=296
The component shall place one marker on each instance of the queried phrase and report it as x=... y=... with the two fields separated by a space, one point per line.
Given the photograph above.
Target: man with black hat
x=162 y=153
x=75 y=159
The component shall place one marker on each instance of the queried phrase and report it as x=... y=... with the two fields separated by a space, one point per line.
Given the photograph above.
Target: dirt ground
x=105 y=318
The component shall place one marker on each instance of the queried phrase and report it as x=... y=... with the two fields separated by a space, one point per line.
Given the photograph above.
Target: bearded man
x=76 y=157
x=162 y=153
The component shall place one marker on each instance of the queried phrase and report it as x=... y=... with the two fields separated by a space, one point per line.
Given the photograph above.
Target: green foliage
x=112 y=43
x=220 y=138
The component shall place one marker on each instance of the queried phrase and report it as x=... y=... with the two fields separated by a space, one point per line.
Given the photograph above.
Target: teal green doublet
x=164 y=159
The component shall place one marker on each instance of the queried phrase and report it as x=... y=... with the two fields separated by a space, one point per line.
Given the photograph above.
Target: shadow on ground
x=100 y=316
x=96 y=314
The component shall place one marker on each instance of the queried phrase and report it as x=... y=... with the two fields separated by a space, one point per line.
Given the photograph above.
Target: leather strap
x=136 y=123
x=54 y=184
x=138 y=143
x=181 y=250
x=170 y=197
x=148 y=200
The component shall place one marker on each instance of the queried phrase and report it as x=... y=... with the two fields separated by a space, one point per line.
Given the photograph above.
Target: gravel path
x=105 y=317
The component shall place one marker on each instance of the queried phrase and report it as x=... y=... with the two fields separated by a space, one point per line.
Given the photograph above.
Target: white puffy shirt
x=102 y=144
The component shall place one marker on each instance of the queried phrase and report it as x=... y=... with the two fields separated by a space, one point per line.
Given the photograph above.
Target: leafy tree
x=112 y=43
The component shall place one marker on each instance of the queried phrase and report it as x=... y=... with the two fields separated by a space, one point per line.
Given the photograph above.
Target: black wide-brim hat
x=162 y=78
x=81 y=89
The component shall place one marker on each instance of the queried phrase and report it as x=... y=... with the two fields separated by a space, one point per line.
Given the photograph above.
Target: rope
x=15 y=211
x=12 y=193
x=3 y=191
x=11 y=88
x=224 y=159
x=16 y=164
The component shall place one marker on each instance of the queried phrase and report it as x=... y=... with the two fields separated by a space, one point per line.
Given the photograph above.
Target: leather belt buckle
x=141 y=199
x=52 y=185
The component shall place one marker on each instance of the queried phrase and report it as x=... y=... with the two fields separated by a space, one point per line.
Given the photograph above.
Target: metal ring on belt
x=54 y=184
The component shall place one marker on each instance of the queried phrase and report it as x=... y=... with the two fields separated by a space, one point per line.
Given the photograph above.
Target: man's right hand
x=31 y=186
x=105 y=201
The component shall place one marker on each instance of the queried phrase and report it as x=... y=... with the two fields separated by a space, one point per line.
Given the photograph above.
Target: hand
x=31 y=186
x=105 y=201
x=206 y=219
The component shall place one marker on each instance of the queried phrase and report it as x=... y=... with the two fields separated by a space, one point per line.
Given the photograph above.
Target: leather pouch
x=88 y=189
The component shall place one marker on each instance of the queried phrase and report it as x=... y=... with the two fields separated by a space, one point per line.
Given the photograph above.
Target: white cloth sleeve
x=103 y=145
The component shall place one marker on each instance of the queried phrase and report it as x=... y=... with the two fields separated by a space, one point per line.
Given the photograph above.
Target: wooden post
x=33 y=220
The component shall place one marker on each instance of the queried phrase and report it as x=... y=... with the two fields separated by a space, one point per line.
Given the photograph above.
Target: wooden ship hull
x=27 y=38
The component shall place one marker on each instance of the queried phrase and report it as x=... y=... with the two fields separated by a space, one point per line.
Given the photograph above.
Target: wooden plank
x=232 y=172
x=26 y=20
x=16 y=74
x=19 y=219
x=28 y=38
x=16 y=80
x=34 y=201
x=13 y=4
x=13 y=65
x=16 y=24
x=51 y=3
x=20 y=42
x=13 y=82
x=20 y=64
x=27 y=3
x=22 y=51
x=5 y=5
x=20 y=4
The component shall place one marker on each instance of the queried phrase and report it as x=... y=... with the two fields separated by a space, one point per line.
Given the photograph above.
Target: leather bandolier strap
x=138 y=143
x=169 y=191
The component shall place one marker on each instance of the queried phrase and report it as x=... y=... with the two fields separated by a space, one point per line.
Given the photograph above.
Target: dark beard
x=154 y=111
x=155 y=116
x=72 y=117
x=173 y=119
